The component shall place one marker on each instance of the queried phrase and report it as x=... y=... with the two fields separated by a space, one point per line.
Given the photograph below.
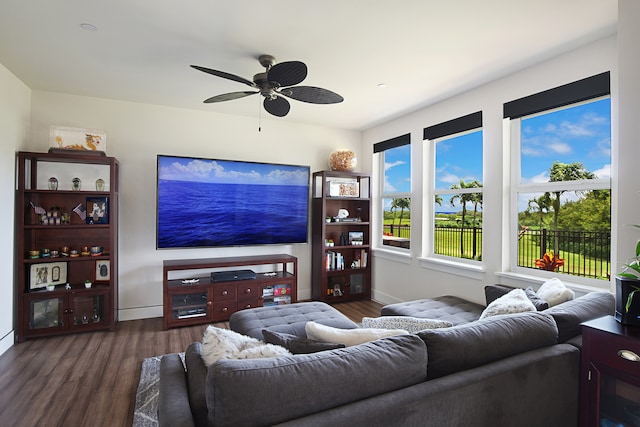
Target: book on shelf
x=334 y=261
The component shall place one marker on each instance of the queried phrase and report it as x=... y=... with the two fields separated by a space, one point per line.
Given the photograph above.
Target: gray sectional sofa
x=520 y=369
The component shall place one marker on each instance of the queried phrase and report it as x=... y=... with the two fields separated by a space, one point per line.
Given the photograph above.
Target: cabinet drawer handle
x=208 y=302
x=247 y=291
x=225 y=293
x=225 y=309
x=629 y=355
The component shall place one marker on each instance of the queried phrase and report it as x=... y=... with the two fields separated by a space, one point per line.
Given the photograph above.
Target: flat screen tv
x=210 y=202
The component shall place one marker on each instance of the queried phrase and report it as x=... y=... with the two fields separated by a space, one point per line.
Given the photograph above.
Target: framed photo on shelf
x=356 y=237
x=49 y=273
x=103 y=271
x=97 y=210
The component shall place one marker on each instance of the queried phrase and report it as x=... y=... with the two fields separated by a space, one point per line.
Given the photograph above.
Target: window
x=561 y=200
x=395 y=159
x=456 y=222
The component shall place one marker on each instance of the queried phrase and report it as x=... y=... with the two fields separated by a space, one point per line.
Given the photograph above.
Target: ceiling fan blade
x=224 y=75
x=311 y=94
x=228 y=96
x=287 y=73
x=278 y=107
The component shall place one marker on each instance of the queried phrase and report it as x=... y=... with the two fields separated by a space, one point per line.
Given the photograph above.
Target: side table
x=610 y=374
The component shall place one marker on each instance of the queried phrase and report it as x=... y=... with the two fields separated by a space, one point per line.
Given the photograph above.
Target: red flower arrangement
x=550 y=262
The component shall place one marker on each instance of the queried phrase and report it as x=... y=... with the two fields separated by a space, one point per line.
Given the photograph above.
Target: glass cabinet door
x=188 y=305
x=45 y=313
x=619 y=402
x=88 y=309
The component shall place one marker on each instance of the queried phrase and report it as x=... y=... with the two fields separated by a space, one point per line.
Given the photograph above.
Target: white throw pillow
x=348 y=337
x=408 y=323
x=515 y=301
x=219 y=343
x=555 y=292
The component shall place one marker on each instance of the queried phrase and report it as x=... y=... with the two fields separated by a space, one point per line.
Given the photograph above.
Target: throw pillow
x=540 y=303
x=348 y=337
x=555 y=292
x=296 y=344
x=515 y=301
x=409 y=324
x=219 y=343
x=493 y=292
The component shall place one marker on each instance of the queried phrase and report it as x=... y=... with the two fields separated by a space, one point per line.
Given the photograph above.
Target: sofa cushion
x=450 y=308
x=278 y=389
x=287 y=318
x=296 y=344
x=474 y=344
x=515 y=301
x=555 y=292
x=348 y=337
x=569 y=315
x=196 y=381
x=407 y=323
x=219 y=343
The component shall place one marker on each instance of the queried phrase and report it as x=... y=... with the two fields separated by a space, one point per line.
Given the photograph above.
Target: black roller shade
x=571 y=93
x=398 y=141
x=461 y=124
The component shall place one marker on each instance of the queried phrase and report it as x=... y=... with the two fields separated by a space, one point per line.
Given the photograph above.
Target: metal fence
x=585 y=253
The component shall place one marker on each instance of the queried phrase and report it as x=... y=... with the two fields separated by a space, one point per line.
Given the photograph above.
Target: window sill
x=402 y=256
x=473 y=271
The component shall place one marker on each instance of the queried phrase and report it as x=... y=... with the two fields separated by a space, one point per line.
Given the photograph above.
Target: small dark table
x=610 y=374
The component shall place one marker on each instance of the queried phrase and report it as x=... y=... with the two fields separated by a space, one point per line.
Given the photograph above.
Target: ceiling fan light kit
x=278 y=81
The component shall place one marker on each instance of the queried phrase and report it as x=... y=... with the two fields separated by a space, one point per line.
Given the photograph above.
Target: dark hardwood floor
x=90 y=379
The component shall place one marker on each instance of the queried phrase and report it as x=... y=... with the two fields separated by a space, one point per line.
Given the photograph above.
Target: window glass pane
x=459 y=159
x=450 y=237
x=578 y=232
x=457 y=217
x=397 y=170
x=396 y=200
x=562 y=229
x=568 y=144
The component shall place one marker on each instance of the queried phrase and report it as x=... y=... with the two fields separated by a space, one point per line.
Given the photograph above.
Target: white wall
x=15 y=105
x=627 y=108
x=404 y=278
x=136 y=133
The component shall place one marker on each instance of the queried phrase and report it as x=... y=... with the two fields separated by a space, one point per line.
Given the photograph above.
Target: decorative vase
x=625 y=287
x=76 y=184
x=343 y=160
x=100 y=184
x=53 y=183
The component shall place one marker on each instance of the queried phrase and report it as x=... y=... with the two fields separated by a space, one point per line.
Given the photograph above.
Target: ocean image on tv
x=206 y=203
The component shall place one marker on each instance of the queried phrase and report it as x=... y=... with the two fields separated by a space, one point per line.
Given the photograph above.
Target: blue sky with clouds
x=577 y=134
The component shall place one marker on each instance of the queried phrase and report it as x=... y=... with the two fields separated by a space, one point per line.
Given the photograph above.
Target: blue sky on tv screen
x=226 y=171
x=578 y=134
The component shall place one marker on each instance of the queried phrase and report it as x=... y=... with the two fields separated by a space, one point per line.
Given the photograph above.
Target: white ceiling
x=423 y=50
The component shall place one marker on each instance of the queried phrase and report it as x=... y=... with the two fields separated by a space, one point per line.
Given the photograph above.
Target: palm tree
x=463 y=199
x=542 y=204
x=564 y=172
x=402 y=203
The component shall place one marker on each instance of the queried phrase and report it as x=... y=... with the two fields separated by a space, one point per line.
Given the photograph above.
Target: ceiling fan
x=278 y=81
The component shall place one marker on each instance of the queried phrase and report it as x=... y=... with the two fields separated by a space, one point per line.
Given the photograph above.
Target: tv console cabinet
x=197 y=299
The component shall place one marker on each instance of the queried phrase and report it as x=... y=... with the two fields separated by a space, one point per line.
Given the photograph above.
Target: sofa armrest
x=173 y=397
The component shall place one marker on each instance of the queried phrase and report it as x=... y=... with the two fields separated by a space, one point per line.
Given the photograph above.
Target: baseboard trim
x=7 y=342
x=137 y=313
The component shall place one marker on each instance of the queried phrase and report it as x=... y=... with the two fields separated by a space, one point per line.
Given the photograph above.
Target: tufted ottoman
x=453 y=309
x=288 y=318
